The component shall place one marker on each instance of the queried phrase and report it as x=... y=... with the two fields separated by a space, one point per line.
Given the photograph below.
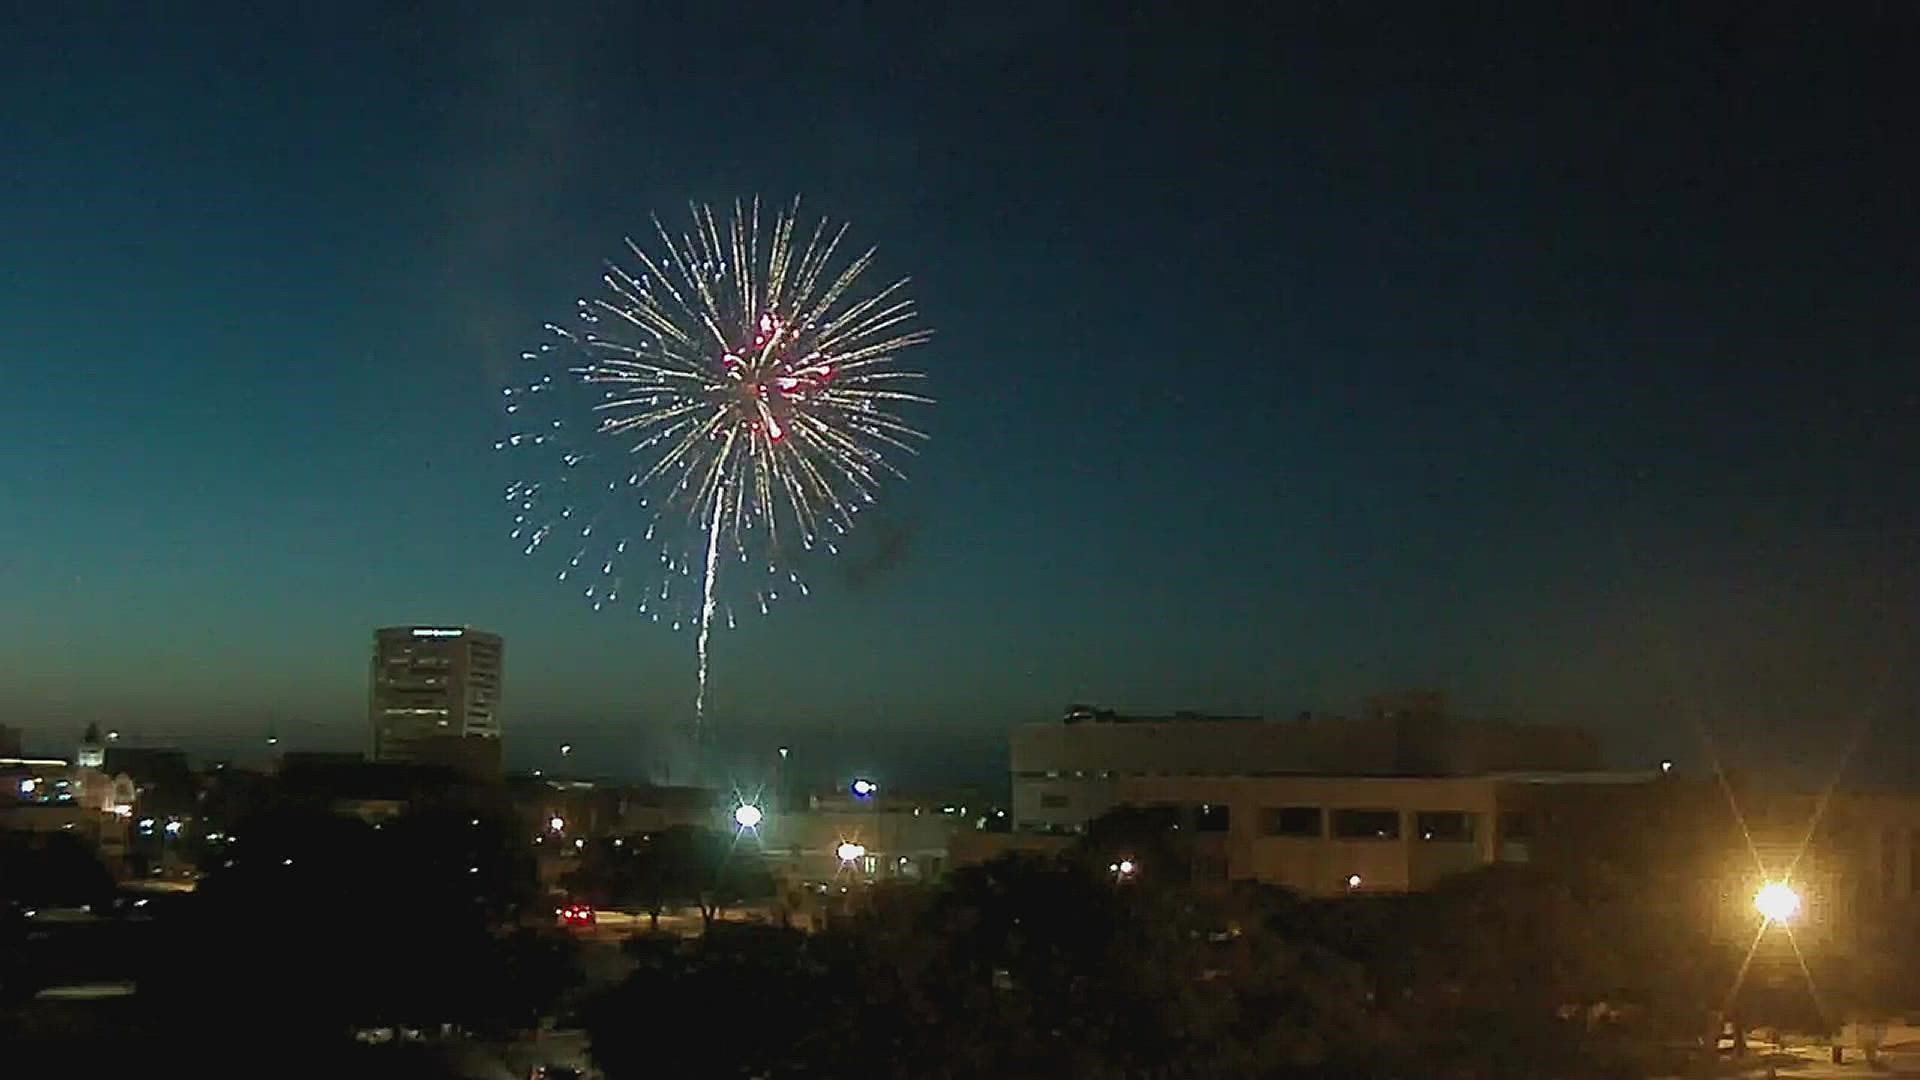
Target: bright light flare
x=747 y=816
x=850 y=851
x=1777 y=902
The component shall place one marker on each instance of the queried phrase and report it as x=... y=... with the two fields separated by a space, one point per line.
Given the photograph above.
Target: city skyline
x=1264 y=385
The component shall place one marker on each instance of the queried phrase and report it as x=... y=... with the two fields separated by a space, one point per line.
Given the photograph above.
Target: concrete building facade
x=430 y=684
x=888 y=836
x=1070 y=771
x=1325 y=835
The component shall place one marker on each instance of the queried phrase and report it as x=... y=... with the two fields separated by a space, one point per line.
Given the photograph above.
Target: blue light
x=863 y=788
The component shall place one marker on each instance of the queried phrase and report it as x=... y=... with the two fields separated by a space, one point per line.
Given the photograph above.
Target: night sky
x=1566 y=364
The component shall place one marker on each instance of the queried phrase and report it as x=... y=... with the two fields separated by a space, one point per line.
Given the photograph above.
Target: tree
x=1020 y=967
x=1534 y=970
x=613 y=873
x=728 y=1004
x=691 y=865
x=51 y=870
x=314 y=924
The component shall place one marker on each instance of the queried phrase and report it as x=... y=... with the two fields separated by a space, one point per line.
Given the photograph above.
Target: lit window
x=1212 y=817
x=1443 y=826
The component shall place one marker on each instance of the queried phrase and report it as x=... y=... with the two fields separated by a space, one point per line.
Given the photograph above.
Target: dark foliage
x=54 y=869
x=684 y=866
x=315 y=924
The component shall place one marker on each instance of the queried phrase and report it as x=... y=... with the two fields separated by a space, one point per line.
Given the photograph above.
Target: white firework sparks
x=727 y=405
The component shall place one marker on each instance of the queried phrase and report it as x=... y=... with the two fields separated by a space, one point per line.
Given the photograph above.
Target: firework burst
x=721 y=411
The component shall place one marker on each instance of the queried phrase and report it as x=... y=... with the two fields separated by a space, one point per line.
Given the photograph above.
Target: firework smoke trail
x=707 y=604
x=730 y=402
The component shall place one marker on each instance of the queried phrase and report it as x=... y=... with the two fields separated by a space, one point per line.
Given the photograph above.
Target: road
x=1899 y=1057
x=613 y=925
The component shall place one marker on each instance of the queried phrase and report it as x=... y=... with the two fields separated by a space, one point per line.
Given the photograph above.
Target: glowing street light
x=557 y=823
x=1353 y=882
x=748 y=816
x=566 y=748
x=849 y=851
x=1123 y=869
x=1777 y=902
x=863 y=788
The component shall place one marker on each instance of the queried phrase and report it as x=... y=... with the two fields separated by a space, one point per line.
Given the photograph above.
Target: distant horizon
x=921 y=755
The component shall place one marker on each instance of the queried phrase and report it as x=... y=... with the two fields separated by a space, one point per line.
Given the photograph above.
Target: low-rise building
x=48 y=794
x=1068 y=772
x=839 y=838
x=1330 y=834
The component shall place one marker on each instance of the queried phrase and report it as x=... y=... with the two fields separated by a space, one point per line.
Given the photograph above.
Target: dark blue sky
x=1566 y=364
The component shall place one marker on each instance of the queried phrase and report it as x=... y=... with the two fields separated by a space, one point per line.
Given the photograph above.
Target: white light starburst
x=728 y=404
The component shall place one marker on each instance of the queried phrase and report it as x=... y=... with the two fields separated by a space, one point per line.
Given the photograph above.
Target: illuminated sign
x=431 y=631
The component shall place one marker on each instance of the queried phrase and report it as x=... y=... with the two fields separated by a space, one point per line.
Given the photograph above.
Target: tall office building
x=432 y=685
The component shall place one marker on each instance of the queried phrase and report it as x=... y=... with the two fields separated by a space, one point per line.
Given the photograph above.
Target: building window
x=1366 y=824
x=1515 y=827
x=1291 y=821
x=1054 y=802
x=1212 y=817
x=1444 y=825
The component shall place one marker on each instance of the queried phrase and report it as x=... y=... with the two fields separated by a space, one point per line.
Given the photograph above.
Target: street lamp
x=1353 y=882
x=863 y=788
x=1123 y=869
x=747 y=816
x=850 y=851
x=1777 y=902
x=557 y=823
x=566 y=748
